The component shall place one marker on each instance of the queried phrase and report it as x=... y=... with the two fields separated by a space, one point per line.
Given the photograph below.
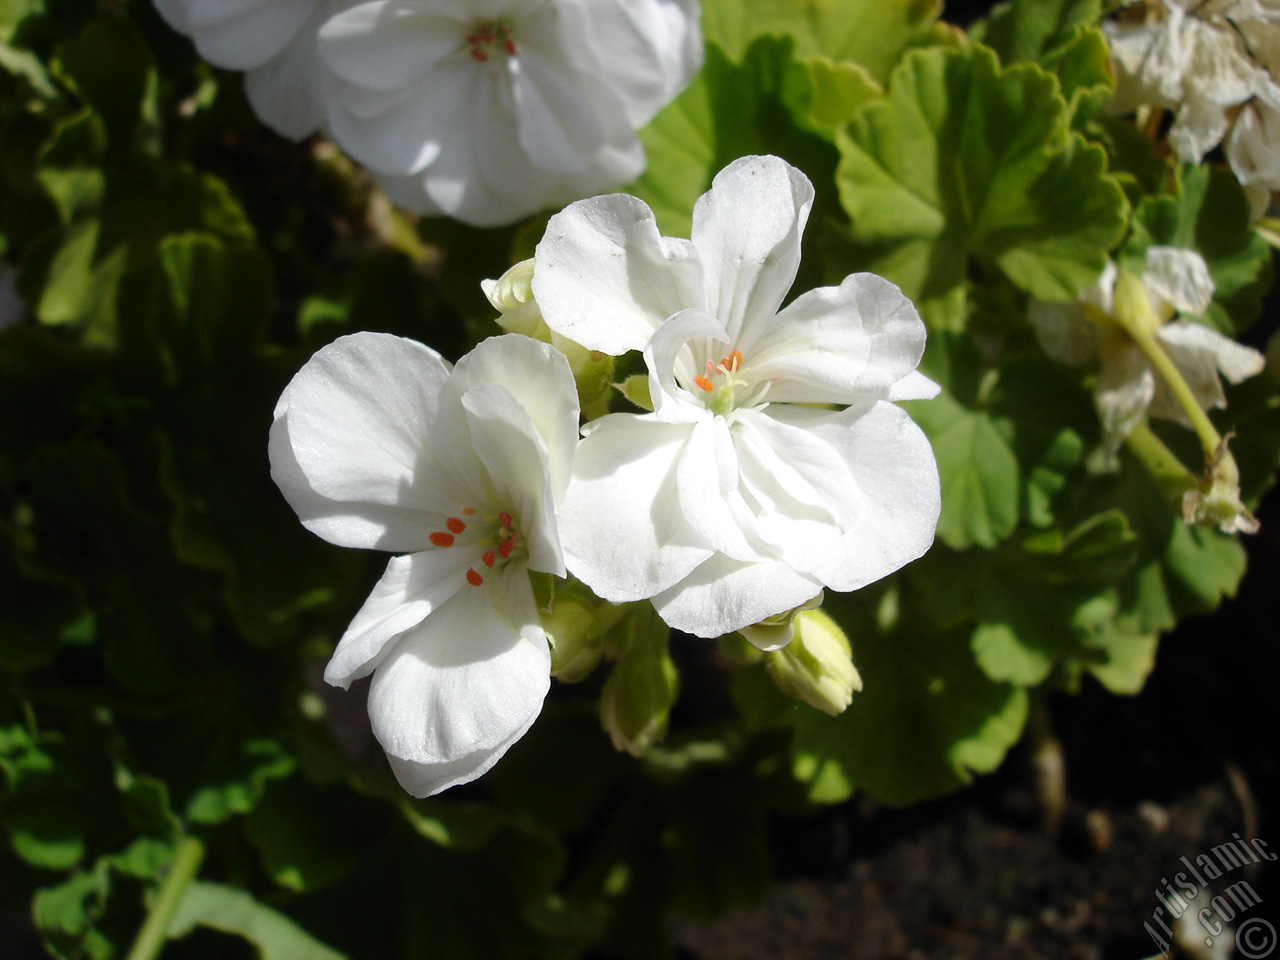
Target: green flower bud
x=635 y=703
x=571 y=627
x=518 y=312
x=776 y=631
x=817 y=665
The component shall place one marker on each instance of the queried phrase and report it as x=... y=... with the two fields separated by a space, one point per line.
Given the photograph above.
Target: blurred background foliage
x=164 y=619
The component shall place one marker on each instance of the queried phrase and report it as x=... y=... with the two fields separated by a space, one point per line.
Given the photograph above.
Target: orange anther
x=441 y=539
x=505 y=548
x=510 y=46
x=505 y=520
x=489 y=557
x=468 y=511
x=474 y=578
x=455 y=525
x=734 y=360
x=704 y=383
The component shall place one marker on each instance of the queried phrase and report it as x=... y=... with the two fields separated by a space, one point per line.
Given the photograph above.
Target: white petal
x=803 y=495
x=458 y=690
x=1179 y=277
x=1199 y=353
x=1254 y=145
x=405 y=132
x=351 y=444
x=507 y=443
x=707 y=485
x=561 y=125
x=894 y=469
x=914 y=386
x=650 y=50
x=623 y=532
x=838 y=344
x=1124 y=390
x=1199 y=127
x=746 y=230
x=724 y=595
x=538 y=376
x=252 y=38
x=388 y=44
x=1064 y=332
x=604 y=277
x=410 y=589
x=289 y=92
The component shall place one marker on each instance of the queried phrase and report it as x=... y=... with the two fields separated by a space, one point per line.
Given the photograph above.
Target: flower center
x=491 y=37
x=726 y=387
x=499 y=534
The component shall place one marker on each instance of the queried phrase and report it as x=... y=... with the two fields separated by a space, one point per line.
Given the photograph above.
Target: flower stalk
x=155 y=929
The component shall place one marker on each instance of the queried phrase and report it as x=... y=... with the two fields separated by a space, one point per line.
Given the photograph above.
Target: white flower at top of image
x=775 y=461
x=488 y=110
x=274 y=42
x=1215 y=65
x=377 y=443
x=1128 y=389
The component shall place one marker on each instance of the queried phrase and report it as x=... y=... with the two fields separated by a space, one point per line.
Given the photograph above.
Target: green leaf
x=110 y=66
x=236 y=912
x=968 y=163
x=1180 y=570
x=243 y=783
x=871 y=33
x=979 y=472
x=1026 y=30
x=205 y=305
x=308 y=838
x=926 y=720
x=824 y=94
x=731 y=111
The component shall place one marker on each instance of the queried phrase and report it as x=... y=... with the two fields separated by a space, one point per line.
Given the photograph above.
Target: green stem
x=1169 y=473
x=1133 y=312
x=155 y=930
x=1268 y=228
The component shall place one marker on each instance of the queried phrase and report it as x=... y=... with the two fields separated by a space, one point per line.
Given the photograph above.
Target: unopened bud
x=518 y=312
x=575 y=640
x=817 y=665
x=774 y=632
x=636 y=701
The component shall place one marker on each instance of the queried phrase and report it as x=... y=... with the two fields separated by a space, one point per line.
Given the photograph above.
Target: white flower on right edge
x=1215 y=64
x=775 y=461
x=1128 y=389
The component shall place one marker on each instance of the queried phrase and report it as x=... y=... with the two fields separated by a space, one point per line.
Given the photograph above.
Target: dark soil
x=1172 y=772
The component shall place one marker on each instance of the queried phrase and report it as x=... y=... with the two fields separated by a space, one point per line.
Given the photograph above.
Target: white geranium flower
x=377 y=443
x=1128 y=389
x=1214 y=64
x=774 y=462
x=488 y=110
x=274 y=41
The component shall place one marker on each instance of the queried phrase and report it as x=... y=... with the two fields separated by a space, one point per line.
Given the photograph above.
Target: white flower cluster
x=1128 y=390
x=774 y=462
x=485 y=110
x=1215 y=64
